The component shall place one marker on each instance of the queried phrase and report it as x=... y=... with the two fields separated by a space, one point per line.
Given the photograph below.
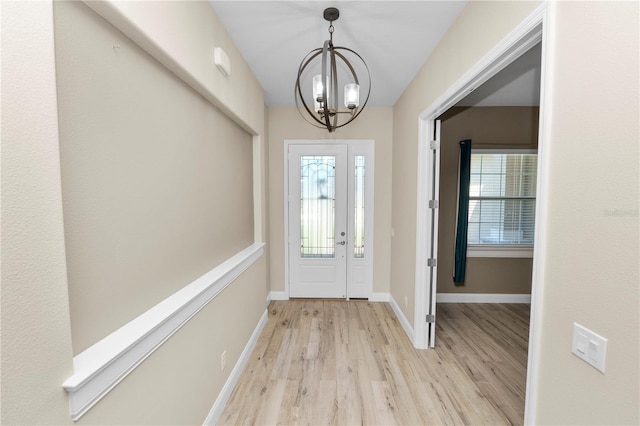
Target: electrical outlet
x=223 y=360
x=589 y=346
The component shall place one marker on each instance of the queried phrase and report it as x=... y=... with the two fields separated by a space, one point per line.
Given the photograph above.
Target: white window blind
x=502 y=197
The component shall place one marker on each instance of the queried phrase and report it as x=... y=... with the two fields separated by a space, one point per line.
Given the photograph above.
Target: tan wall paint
x=144 y=160
x=487 y=127
x=189 y=46
x=180 y=381
x=373 y=123
x=36 y=334
x=143 y=157
x=36 y=347
x=591 y=259
x=480 y=26
x=592 y=268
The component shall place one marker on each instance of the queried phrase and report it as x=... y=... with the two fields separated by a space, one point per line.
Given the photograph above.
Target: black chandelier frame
x=327 y=116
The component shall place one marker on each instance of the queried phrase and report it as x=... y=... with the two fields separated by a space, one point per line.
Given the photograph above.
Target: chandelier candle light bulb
x=351 y=96
x=317 y=92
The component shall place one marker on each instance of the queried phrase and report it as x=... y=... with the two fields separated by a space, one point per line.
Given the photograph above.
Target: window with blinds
x=502 y=197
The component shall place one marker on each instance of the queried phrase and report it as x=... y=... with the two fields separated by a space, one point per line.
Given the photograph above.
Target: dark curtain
x=463 y=212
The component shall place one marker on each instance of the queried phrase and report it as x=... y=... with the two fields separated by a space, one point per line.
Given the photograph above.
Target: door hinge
x=432 y=262
x=431 y=318
x=433 y=204
x=434 y=145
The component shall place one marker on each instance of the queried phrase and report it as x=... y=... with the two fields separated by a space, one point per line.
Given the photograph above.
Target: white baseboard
x=231 y=382
x=403 y=319
x=380 y=297
x=278 y=295
x=482 y=298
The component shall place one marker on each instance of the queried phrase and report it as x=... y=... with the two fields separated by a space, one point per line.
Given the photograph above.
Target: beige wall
x=589 y=277
x=592 y=269
x=179 y=382
x=36 y=333
x=480 y=26
x=373 y=123
x=144 y=163
x=186 y=49
x=487 y=127
x=591 y=255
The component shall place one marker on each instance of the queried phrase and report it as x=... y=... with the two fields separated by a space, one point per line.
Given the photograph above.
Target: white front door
x=328 y=254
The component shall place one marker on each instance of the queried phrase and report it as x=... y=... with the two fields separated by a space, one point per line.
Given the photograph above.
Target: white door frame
x=535 y=28
x=364 y=146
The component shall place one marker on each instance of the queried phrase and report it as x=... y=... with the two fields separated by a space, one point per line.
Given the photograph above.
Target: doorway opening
x=329 y=191
x=499 y=121
x=532 y=31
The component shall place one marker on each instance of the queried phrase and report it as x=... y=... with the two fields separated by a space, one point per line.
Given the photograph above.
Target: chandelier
x=321 y=108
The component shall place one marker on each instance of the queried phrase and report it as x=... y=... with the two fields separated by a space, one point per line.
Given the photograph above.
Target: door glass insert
x=317 y=206
x=358 y=241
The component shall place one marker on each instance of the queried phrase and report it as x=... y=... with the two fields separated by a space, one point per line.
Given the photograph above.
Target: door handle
x=341 y=243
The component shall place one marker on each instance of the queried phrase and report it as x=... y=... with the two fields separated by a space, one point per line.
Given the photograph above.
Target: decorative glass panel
x=317 y=206
x=358 y=241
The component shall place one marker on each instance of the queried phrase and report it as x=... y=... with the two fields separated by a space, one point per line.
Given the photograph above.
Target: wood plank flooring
x=330 y=362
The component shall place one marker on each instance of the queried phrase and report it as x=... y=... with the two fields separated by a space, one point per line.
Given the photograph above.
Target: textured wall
x=180 y=381
x=36 y=336
x=593 y=236
x=157 y=183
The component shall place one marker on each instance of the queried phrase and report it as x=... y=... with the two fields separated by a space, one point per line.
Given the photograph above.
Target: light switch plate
x=589 y=346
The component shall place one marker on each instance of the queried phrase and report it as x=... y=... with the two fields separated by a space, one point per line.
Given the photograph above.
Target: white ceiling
x=394 y=37
x=516 y=85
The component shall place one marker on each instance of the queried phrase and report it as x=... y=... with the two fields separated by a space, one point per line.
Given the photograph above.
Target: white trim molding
x=545 y=14
x=507 y=252
x=101 y=367
x=278 y=295
x=380 y=297
x=230 y=384
x=482 y=298
x=401 y=317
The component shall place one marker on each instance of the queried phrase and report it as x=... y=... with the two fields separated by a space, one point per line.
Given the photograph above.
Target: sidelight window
x=358 y=244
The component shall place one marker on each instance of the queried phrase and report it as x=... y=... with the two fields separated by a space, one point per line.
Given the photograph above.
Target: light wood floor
x=350 y=362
